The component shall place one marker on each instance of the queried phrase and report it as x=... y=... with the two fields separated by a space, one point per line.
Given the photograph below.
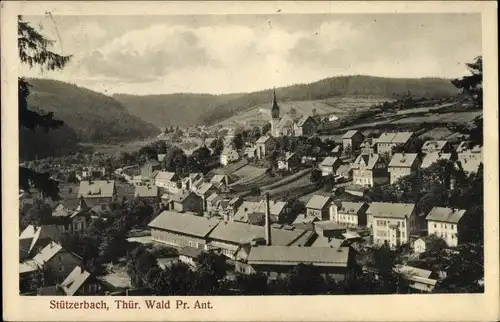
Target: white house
x=445 y=223
x=228 y=155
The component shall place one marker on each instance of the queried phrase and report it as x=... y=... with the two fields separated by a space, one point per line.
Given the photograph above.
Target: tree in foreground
x=34 y=51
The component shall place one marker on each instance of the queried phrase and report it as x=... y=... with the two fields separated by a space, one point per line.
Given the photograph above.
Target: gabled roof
x=233 y=201
x=324 y=242
x=433 y=157
x=468 y=164
x=304 y=119
x=285 y=121
x=344 y=168
x=390 y=210
x=329 y=161
x=146 y=191
x=444 y=214
x=74 y=281
x=337 y=149
x=190 y=252
x=413 y=272
x=434 y=145
x=403 y=160
x=181 y=196
x=184 y=223
x=220 y=178
x=349 y=207
x=386 y=137
x=329 y=225
x=48 y=252
x=318 y=202
x=205 y=187
x=96 y=188
x=165 y=176
x=367 y=161
x=402 y=137
x=33 y=234
x=236 y=232
x=278 y=207
x=349 y=134
x=317 y=256
x=214 y=197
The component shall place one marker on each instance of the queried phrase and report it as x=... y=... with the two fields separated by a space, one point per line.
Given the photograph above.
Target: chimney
x=268 y=227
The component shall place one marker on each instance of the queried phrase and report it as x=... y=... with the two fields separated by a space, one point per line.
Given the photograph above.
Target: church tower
x=275 y=114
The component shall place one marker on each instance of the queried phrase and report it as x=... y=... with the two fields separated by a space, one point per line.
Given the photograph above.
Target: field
x=248 y=173
x=332 y=106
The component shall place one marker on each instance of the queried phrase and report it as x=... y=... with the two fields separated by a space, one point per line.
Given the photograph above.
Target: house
x=420 y=280
x=188 y=182
x=318 y=206
x=306 y=126
x=441 y=146
x=348 y=213
x=369 y=170
x=181 y=229
x=149 y=169
x=304 y=222
x=251 y=152
x=470 y=159
x=329 y=229
x=430 y=243
x=329 y=166
x=186 y=201
x=57 y=260
x=188 y=255
x=391 y=223
x=169 y=181
x=220 y=179
x=402 y=165
x=433 y=157
x=368 y=146
x=102 y=191
x=75 y=221
x=93 y=172
x=246 y=213
x=265 y=144
x=353 y=140
x=80 y=282
x=386 y=141
x=281 y=259
x=289 y=162
x=33 y=239
x=204 y=191
x=446 y=223
x=344 y=171
x=148 y=193
x=228 y=155
x=213 y=203
x=232 y=207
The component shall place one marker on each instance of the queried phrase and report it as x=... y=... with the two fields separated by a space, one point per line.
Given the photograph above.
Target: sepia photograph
x=267 y=154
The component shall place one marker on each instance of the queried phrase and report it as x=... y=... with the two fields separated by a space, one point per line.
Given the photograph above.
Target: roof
x=416 y=274
x=433 y=157
x=229 y=151
x=344 y=168
x=402 y=137
x=349 y=134
x=303 y=120
x=278 y=207
x=324 y=242
x=220 y=178
x=433 y=145
x=386 y=137
x=351 y=235
x=190 y=251
x=318 y=256
x=96 y=188
x=468 y=164
x=34 y=234
x=74 y=281
x=263 y=139
x=403 y=160
x=445 y=214
x=161 y=156
x=390 y=210
x=366 y=160
x=184 y=223
x=329 y=161
x=304 y=219
x=318 y=202
x=182 y=196
x=47 y=253
x=233 y=201
x=205 y=187
x=285 y=121
x=349 y=207
x=27 y=266
x=214 y=197
x=329 y=225
x=236 y=232
x=337 y=149
x=244 y=209
x=146 y=191
x=165 y=176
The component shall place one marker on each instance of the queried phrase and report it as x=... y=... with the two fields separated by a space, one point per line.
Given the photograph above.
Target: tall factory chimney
x=268 y=219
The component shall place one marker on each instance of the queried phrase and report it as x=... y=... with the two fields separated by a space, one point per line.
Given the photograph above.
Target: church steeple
x=82 y=205
x=275 y=110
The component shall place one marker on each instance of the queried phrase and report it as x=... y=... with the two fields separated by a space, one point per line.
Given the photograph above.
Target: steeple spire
x=275 y=110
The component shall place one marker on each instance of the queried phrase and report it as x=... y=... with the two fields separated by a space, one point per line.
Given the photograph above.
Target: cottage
x=306 y=126
x=420 y=280
x=433 y=157
x=386 y=141
x=148 y=193
x=329 y=165
x=188 y=183
x=289 y=162
x=352 y=214
x=204 y=191
x=168 y=180
x=391 y=223
x=100 y=190
x=402 y=165
x=54 y=258
x=181 y=229
x=213 y=203
x=351 y=141
x=440 y=146
x=187 y=201
x=188 y=255
x=446 y=223
x=33 y=239
x=318 y=206
x=75 y=221
x=228 y=155
x=79 y=282
x=265 y=144
x=344 y=172
x=470 y=159
x=430 y=243
x=369 y=170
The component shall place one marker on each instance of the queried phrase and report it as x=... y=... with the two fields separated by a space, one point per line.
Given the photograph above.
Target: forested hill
x=89 y=117
x=190 y=109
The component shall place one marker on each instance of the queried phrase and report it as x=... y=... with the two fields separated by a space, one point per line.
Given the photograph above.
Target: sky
x=242 y=53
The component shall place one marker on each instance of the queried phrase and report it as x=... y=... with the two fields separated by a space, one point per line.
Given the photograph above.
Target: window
x=60 y=258
x=446 y=226
x=435 y=226
x=61 y=269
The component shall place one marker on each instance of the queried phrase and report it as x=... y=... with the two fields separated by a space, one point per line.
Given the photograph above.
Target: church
x=287 y=126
